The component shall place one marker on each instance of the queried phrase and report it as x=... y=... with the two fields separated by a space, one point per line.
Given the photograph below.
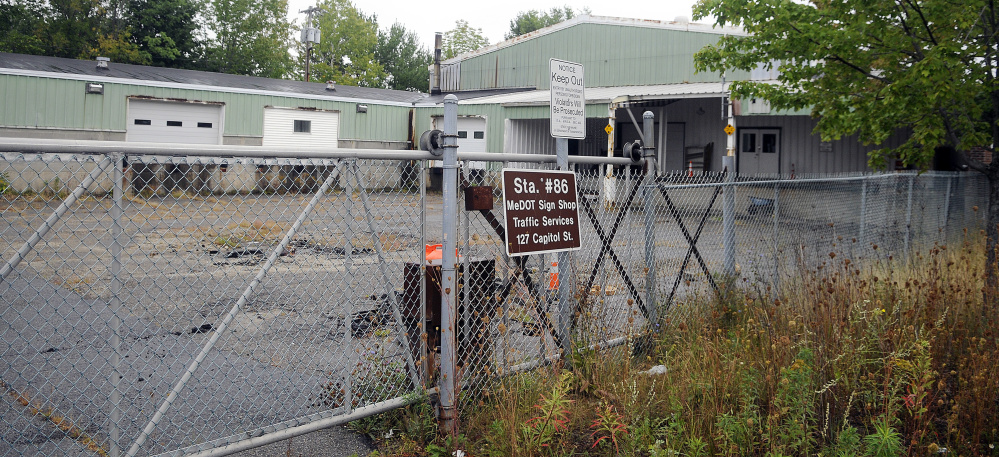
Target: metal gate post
x=449 y=350
x=564 y=292
x=648 y=191
x=115 y=303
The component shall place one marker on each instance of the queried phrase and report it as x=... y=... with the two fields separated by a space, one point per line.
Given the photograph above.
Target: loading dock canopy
x=617 y=94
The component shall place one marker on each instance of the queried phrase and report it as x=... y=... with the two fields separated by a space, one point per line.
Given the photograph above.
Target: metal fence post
x=863 y=211
x=728 y=197
x=448 y=415
x=908 y=216
x=649 y=153
x=422 y=325
x=728 y=215
x=944 y=233
x=564 y=292
x=115 y=302
x=776 y=278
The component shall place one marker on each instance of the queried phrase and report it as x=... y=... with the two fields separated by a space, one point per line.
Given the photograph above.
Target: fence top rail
x=86 y=147
x=794 y=181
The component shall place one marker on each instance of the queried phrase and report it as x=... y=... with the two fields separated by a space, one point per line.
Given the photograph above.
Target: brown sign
x=542 y=211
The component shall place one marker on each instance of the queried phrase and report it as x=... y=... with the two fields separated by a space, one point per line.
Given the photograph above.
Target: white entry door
x=759 y=151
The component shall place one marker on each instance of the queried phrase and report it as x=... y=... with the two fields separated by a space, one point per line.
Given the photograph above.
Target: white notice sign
x=567 y=100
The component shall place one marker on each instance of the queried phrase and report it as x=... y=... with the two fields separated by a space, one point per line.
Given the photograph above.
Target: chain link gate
x=169 y=304
x=199 y=302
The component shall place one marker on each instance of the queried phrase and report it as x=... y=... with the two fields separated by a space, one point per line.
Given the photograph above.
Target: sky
x=426 y=18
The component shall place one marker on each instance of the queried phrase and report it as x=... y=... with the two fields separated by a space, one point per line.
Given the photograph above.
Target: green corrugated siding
x=30 y=101
x=612 y=55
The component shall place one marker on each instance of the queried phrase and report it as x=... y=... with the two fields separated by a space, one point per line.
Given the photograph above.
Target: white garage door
x=292 y=127
x=174 y=122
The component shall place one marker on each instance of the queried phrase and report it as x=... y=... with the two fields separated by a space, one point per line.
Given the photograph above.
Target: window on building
x=143 y=122
x=462 y=134
x=204 y=125
x=478 y=135
x=175 y=124
x=303 y=126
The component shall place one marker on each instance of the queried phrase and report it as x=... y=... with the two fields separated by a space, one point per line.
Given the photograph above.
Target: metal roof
x=58 y=67
x=681 y=25
x=466 y=95
x=618 y=94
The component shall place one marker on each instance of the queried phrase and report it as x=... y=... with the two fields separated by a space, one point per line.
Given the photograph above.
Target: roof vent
x=102 y=62
x=681 y=20
x=330 y=85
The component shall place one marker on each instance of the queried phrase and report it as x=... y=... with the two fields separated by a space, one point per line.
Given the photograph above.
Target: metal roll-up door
x=158 y=121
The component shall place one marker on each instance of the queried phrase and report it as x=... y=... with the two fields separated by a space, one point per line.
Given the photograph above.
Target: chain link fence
x=782 y=224
x=171 y=305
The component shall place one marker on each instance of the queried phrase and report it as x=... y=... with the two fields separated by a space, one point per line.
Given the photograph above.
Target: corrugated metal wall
x=612 y=55
x=800 y=147
x=533 y=136
x=496 y=127
x=38 y=102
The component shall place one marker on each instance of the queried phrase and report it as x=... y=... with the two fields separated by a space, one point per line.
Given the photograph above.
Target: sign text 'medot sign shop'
x=542 y=211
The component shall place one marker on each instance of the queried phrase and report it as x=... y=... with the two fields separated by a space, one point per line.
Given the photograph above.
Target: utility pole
x=310 y=36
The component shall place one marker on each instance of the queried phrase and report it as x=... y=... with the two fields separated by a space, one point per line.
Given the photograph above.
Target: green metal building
x=631 y=66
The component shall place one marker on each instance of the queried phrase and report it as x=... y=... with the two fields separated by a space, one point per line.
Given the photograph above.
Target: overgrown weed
x=860 y=357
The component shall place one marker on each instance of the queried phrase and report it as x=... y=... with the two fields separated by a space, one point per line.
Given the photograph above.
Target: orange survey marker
x=553 y=276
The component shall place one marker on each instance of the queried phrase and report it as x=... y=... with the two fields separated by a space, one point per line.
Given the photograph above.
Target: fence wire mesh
x=167 y=305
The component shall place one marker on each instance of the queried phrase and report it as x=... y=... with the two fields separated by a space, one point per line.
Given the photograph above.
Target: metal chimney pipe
x=438 y=49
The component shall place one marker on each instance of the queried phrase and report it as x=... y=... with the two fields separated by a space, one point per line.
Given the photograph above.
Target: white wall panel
x=279 y=128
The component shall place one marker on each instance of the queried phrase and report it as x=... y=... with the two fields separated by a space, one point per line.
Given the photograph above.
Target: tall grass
x=873 y=358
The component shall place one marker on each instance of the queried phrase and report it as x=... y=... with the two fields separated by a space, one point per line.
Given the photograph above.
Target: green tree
x=71 y=27
x=406 y=62
x=248 y=37
x=21 y=25
x=118 y=47
x=166 y=30
x=873 y=68
x=346 y=54
x=462 y=38
x=527 y=22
